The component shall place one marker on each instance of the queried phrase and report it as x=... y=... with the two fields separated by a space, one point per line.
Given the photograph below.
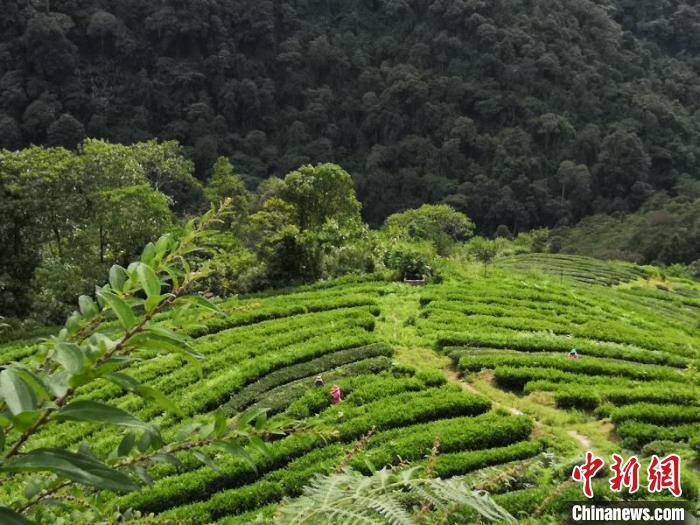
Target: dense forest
x=521 y=113
x=235 y=235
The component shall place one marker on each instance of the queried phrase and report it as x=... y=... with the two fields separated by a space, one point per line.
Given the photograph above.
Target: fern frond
x=386 y=497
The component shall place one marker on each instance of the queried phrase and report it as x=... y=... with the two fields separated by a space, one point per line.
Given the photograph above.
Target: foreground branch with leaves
x=116 y=329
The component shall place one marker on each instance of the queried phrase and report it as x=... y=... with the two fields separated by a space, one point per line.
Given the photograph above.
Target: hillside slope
x=521 y=113
x=386 y=345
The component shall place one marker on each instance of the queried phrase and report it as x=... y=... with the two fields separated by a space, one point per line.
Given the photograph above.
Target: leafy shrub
x=587 y=366
x=656 y=414
x=190 y=486
x=482 y=250
x=661 y=448
x=280 y=398
x=316 y=366
x=235 y=271
x=523 y=502
x=455 y=464
x=422 y=406
x=636 y=434
x=577 y=398
x=410 y=261
x=256 y=315
x=439 y=224
x=485 y=431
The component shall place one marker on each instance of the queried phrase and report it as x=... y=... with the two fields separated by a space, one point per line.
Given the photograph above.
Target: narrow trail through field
x=573 y=432
x=583 y=440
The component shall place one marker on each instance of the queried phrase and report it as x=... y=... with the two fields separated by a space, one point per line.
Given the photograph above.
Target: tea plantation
x=480 y=359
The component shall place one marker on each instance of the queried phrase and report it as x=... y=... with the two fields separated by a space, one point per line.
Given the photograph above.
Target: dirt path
x=453 y=377
x=585 y=442
x=549 y=420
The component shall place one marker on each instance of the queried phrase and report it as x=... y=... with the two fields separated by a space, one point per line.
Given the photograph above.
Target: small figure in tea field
x=318 y=382
x=573 y=354
x=336 y=394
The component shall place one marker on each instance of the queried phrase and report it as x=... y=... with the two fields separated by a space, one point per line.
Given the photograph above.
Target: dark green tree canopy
x=319 y=193
x=481 y=105
x=439 y=224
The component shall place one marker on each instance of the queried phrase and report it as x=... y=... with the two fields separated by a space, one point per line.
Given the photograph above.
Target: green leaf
x=153 y=301
x=117 y=277
x=169 y=459
x=73 y=323
x=58 y=383
x=149 y=253
x=5 y=417
x=68 y=465
x=163 y=244
x=252 y=415
x=174 y=275
x=124 y=381
x=159 y=339
x=32 y=488
x=143 y=475
x=18 y=395
x=87 y=306
x=237 y=451
x=201 y=456
x=26 y=419
x=144 y=441
x=37 y=383
x=158 y=398
x=112 y=364
x=150 y=438
x=263 y=448
x=9 y=517
x=201 y=302
x=150 y=282
x=126 y=445
x=220 y=424
x=70 y=357
x=121 y=309
x=99 y=412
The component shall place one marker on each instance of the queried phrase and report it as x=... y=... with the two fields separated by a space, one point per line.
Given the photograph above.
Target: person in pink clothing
x=336 y=394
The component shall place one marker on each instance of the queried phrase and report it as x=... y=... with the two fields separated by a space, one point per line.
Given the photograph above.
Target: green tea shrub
x=457 y=463
x=410 y=261
x=636 y=434
x=656 y=414
x=315 y=366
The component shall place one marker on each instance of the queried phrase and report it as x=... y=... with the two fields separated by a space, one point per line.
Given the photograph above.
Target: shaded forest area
x=519 y=113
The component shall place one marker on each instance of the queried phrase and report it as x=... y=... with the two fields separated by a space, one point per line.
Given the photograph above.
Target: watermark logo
x=663 y=474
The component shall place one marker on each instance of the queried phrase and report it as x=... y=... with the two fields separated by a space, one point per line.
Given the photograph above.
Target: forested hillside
x=521 y=113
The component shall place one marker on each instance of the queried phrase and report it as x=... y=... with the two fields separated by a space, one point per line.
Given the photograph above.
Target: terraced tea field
x=519 y=406
x=636 y=353
x=578 y=268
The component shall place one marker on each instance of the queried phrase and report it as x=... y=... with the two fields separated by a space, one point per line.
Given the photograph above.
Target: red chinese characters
x=662 y=474
x=665 y=474
x=626 y=474
x=585 y=473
